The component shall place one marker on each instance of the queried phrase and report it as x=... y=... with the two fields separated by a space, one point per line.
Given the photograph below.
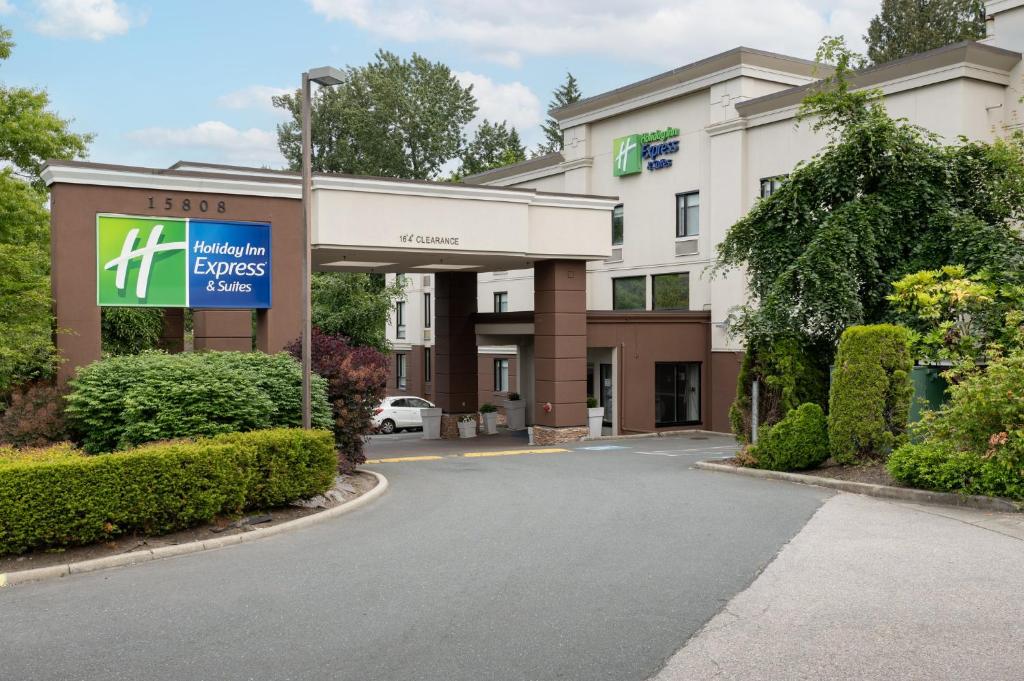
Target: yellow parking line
x=513 y=452
x=406 y=458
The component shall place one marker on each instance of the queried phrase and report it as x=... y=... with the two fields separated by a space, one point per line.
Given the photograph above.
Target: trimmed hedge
x=869 y=402
x=61 y=496
x=121 y=402
x=797 y=442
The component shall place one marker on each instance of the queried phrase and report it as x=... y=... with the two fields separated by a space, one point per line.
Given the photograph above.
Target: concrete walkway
x=871 y=589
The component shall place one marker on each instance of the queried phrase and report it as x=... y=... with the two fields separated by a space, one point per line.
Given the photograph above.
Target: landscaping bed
x=345 y=489
x=873 y=473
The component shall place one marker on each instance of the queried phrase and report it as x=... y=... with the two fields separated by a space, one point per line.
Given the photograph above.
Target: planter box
x=515 y=412
x=490 y=420
x=595 y=419
x=467 y=429
x=431 y=423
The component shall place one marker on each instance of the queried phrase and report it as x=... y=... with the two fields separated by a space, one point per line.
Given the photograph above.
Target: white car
x=395 y=413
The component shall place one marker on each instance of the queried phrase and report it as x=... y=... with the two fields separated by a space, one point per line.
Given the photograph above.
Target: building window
x=671 y=291
x=500 y=375
x=688 y=214
x=427 y=312
x=676 y=393
x=617 y=225
x=426 y=365
x=770 y=185
x=501 y=301
x=400 y=319
x=400 y=371
x=400 y=279
x=629 y=293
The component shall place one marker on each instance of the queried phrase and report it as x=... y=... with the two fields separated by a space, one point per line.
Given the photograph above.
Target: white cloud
x=252 y=97
x=217 y=142
x=498 y=102
x=668 y=34
x=92 y=19
x=6 y=7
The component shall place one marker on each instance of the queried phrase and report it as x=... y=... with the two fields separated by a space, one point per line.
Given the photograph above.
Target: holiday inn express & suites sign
x=630 y=153
x=182 y=262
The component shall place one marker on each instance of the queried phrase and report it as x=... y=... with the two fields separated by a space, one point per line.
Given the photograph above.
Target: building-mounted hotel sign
x=181 y=262
x=632 y=152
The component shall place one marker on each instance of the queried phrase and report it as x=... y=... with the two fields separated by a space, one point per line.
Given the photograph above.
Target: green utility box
x=929 y=389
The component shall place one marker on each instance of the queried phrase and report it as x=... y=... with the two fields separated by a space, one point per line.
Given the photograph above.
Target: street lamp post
x=325 y=75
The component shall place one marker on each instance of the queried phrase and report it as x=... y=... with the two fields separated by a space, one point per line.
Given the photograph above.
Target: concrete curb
x=917 y=496
x=641 y=436
x=122 y=559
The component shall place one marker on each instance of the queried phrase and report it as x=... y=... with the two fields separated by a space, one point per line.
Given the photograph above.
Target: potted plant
x=489 y=413
x=515 y=412
x=595 y=417
x=467 y=426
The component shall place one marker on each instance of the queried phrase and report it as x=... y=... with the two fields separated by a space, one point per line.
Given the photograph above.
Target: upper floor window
x=770 y=185
x=501 y=301
x=671 y=291
x=617 y=225
x=400 y=319
x=688 y=214
x=629 y=293
x=427 y=312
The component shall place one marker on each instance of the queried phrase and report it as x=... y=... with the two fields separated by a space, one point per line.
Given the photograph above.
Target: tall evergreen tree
x=566 y=93
x=906 y=27
x=493 y=145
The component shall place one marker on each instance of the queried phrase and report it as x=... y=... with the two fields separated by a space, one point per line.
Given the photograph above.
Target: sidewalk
x=872 y=589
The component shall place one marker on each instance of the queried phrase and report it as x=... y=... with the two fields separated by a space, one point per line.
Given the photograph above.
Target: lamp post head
x=327 y=75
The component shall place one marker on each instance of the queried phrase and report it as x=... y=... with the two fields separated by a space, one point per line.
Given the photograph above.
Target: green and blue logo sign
x=629 y=153
x=181 y=262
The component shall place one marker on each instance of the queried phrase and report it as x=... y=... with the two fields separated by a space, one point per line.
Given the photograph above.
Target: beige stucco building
x=659 y=354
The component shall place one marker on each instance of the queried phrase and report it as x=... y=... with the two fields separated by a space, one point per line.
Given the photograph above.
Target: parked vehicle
x=399 y=413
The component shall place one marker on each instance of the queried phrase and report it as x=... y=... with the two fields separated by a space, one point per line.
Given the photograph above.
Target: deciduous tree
x=906 y=27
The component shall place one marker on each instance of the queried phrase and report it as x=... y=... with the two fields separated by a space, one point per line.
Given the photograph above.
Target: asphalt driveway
x=595 y=563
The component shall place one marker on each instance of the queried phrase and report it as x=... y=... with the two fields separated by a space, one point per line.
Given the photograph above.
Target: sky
x=163 y=80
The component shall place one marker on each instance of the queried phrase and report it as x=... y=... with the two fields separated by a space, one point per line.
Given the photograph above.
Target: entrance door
x=607 y=394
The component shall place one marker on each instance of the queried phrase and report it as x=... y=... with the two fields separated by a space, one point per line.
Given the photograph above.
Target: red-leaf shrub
x=34 y=417
x=356 y=380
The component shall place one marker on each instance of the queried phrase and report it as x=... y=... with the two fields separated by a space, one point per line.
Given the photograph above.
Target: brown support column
x=222 y=330
x=73 y=279
x=455 y=355
x=560 y=351
x=172 y=338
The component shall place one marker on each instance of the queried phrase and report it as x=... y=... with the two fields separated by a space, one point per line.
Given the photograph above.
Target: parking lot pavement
x=875 y=590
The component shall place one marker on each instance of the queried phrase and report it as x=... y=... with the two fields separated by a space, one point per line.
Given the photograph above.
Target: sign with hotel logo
x=630 y=154
x=181 y=262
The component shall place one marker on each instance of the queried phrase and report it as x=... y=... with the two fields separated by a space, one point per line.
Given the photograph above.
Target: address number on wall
x=188 y=204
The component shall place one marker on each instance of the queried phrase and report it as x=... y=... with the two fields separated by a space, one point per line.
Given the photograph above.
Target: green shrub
x=124 y=401
x=797 y=442
x=869 y=402
x=937 y=466
x=130 y=330
x=61 y=497
x=789 y=374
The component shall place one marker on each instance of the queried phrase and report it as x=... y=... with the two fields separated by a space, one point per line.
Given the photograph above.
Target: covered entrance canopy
x=359 y=224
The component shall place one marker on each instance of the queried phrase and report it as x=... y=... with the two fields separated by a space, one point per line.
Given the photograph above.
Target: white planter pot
x=467 y=429
x=515 y=413
x=431 y=423
x=490 y=423
x=595 y=419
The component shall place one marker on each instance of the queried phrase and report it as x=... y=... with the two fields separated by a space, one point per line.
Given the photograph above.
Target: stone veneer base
x=545 y=435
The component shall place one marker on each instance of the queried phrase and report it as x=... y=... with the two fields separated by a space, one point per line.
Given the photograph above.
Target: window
x=687 y=214
x=400 y=278
x=400 y=319
x=501 y=301
x=500 y=375
x=676 y=393
x=629 y=293
x=427 y=312
x=770 y=185
x=671 y=291
x=400 y=371
x=617 y=225
x=426 y=365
